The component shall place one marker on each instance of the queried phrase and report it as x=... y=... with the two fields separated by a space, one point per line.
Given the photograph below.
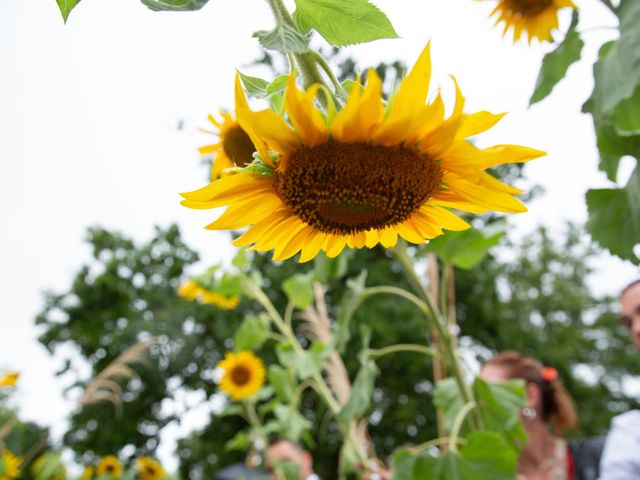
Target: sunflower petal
x=304 y=116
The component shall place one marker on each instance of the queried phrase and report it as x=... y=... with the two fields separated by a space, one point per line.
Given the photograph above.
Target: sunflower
x=368 y=176
x=110 y=466
x=9 y=379
x=243 y=374
x=234 y=147
x=192 y=290
x=150 y=469
x=537 y=17
x=9 y=465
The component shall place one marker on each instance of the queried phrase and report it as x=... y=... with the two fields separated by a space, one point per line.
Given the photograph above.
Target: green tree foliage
x=536 y=302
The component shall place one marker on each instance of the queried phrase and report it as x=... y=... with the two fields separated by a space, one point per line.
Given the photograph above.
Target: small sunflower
x=234 y=147
x=110 y=466
x=87 y=473
x=537 y=17
x=368 y=176
x=150 y=469
x=9 y=465
x=243 y=374
x=192 y=290
x=9 y=379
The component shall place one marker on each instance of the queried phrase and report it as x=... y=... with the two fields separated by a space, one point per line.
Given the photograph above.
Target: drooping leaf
x=284 y=39
x=614 y=218
x=344 y=23
x=240 y=441
x=277 y=85
x=286 y=470
x=174 y=5
x=467 y=248
x=613 y=147
x=617 y=72
x=556 y=63
x=256 y=87
x=299 y=289
x=65 y=7
x=283 y=381
x=252 y=333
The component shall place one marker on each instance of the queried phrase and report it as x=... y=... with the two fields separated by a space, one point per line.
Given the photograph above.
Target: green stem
x=435 y=442
x=255 y=422
x=402 y=347
x=341 y=92
x=610 y=6
x=457 y=425
x=288 y=314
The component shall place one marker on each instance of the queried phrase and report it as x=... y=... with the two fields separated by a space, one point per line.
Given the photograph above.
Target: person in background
x=621 y=456
x=284 y=450
x=549 y=413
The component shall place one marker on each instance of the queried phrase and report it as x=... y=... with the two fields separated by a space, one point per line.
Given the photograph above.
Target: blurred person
x=549 y=413
x=284 y=450
x=621 y=456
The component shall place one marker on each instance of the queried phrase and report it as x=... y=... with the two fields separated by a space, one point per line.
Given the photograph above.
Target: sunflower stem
x=255 y=422
x=402 y=347
x=610 y=6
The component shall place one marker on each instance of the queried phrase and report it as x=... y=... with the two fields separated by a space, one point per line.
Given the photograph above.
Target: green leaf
x=284 y=39
x=344 y=23
x=278 y=84
x=276 y=103
x=252 y=333
x=174 y=5
x=256 y=87
x=614 y=218
x=485 y=456
x=299 y=289
x=306 y=362
x=447 y=398
x=65 y=7
x=613 y=147
x=283 y=381
x=240 y=441
x=626 y=116
x=292 y=423
x=467 y=248
x=617 y=72
x=286 y=470
x=556 y=63
x=241 y=259
x=230 y=284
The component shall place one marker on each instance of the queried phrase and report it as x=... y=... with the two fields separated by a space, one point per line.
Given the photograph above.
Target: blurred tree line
x=536 y=302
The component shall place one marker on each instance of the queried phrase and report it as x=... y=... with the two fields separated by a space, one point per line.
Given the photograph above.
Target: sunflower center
x=240 y=375
x=110 y=468
x=343 y=188
x=238 y=146
x=529 y=8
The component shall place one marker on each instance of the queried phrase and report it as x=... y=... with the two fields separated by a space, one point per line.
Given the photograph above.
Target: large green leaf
x=626 y=116
x=467 y=248
x=485 y=456
x=299 y=289
x=174 y=5
x=65 y=7
x=306 y=362
x=291 y=422
x=613 y=147
x=617 y=72
x=556 y=63
x=344 y=23
x=614 y=218
x=283 y=381
x=252 y=333
x=284 y=39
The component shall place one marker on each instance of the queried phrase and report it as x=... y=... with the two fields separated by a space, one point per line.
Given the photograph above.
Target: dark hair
x=557 y=406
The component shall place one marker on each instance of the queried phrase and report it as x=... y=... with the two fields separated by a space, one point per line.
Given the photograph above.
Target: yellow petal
x=362 y=112
x=478 y=122
x=412 y=93
x=372 y=238
x=407 y=231
x=444 y=218
x=252 y=235
x=312 y=246
x=241 y=214
x=227 y=188
x=334 y=244
x=304 y=116
x=388 y=237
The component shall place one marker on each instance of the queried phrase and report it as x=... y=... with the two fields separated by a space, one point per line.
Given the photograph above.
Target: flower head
x=9 y=379
x=370 y=175
x=110 y=466
x=538 y=18
x=150 y=469
x=192 y=290
x=233 y=148
x=243 y=374
x=9 y=465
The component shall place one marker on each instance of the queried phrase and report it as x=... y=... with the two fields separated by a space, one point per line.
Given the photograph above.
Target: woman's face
x=493 y=374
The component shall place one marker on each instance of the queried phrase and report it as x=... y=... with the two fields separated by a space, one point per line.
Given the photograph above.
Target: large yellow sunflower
x=9 y=466
x=537 y=17
x=191 y=290
x=110 y=466
x=363 y=178
x=243 y=374
x=150 y=469
x=233 y=148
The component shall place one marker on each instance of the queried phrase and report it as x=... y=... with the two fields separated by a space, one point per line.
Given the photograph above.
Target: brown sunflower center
x=240 y=375
x=238 y=146
x=529 y=8
x=110 y=468
x=343 y=188
x=150 y=469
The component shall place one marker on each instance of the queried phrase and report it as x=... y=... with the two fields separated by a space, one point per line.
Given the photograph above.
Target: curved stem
x=402 y=347
x=341 y=92
x=609 y=5
x=255 y=422
x=457 y=424
x=435 y=442
x=288 y=314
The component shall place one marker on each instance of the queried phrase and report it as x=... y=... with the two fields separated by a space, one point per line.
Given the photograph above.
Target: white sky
x=88 y=116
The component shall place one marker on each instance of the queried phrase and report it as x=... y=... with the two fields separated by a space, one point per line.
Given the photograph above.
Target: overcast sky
x=88 y=134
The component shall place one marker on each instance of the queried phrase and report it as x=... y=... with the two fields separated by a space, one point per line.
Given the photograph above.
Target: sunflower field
x=363 y=251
